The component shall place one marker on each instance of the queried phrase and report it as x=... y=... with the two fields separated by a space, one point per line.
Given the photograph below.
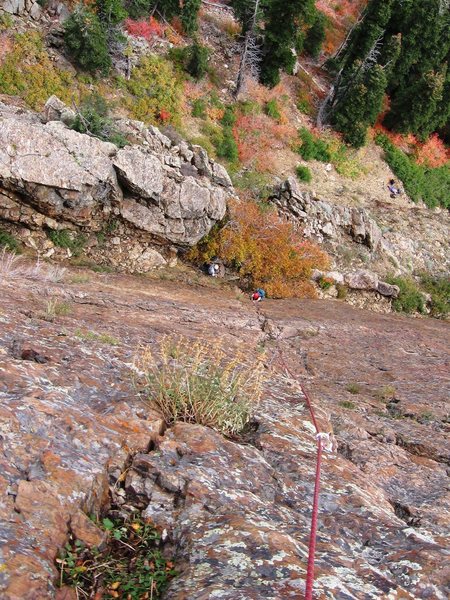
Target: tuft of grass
x=347 y=404
x=80 y=278
x=196 y=382
x=55 y=308
x=353 y=388
x=66 y=239
x=342 y=291
x=386 y=393
x=131 y=566
x=92 y=336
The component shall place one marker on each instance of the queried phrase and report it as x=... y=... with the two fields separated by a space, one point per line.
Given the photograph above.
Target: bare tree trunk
x=249 y=55
x=343 y=46
x=338 y=91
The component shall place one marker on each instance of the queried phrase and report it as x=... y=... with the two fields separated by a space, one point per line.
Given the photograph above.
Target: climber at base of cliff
x=258 y=295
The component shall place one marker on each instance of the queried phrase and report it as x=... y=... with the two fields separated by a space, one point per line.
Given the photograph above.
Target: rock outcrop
x=155 y=191
x=22 y=8
x=382 y=239
x=237 y=513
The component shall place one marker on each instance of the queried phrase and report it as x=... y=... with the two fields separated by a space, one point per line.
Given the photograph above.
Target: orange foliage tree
x=268 y=251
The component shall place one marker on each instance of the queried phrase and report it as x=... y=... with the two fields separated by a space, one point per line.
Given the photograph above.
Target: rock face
x=385 y=240
x=22 y=7
x=237 y=512
x=53 y=177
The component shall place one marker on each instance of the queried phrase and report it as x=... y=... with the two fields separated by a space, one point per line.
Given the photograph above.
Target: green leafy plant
x=312 y=147
x=92 y=118
x=196 y=382
x=303 y=173
x=410 y=298
x=8 y=241
x=130 y=566
x=439 y=290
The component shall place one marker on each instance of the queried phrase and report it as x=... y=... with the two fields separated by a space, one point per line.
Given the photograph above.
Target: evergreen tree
x=365 y=35
x=283 y=20
x=418 y=84
x=316 y=35
x=86 y=41
x=365 y=87
x=189 y=16
x=138 y=8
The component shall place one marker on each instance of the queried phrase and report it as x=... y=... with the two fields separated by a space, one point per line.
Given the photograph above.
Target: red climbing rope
x=315 y=511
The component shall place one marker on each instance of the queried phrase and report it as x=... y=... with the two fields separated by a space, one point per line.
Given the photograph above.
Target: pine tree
x=189 y=16
x=315 y=36
x=283 y=20
x=359 y=108
x=418 y=85
x=86 y=41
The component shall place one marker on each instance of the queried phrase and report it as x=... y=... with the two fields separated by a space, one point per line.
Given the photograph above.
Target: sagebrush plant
x=197 y=382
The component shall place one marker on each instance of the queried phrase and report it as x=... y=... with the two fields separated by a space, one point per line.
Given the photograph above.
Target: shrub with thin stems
x=12 y=267
x=197 y=382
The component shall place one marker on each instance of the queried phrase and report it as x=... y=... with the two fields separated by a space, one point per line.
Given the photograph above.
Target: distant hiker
x=213 y=269
x=258 y=295
x=395 y=191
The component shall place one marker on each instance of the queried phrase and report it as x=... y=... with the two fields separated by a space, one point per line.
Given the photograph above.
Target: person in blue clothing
x=258 y=295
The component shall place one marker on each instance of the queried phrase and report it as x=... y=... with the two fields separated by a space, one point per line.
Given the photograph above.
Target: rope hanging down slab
x=323 y=442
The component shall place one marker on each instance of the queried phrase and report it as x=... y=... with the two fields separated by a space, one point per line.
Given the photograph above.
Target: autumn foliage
x=145 y=29
x=432 y=153
x=266 y=251
x=259 y=135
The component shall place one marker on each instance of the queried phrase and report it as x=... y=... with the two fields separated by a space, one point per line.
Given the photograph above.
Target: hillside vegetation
x=269 y=89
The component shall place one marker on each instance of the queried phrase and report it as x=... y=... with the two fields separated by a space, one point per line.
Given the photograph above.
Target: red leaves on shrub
x=145 y=29
x=164 y=115
x=433 y=152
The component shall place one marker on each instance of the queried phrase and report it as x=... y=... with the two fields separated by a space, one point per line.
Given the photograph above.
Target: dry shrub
x=267 y=249
x=13 y=267
x=196 y=382
x=259 y=135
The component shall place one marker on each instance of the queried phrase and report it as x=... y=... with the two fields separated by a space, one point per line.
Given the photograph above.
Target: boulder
x=56 y=110
x=362 y=280
x=386 y=289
